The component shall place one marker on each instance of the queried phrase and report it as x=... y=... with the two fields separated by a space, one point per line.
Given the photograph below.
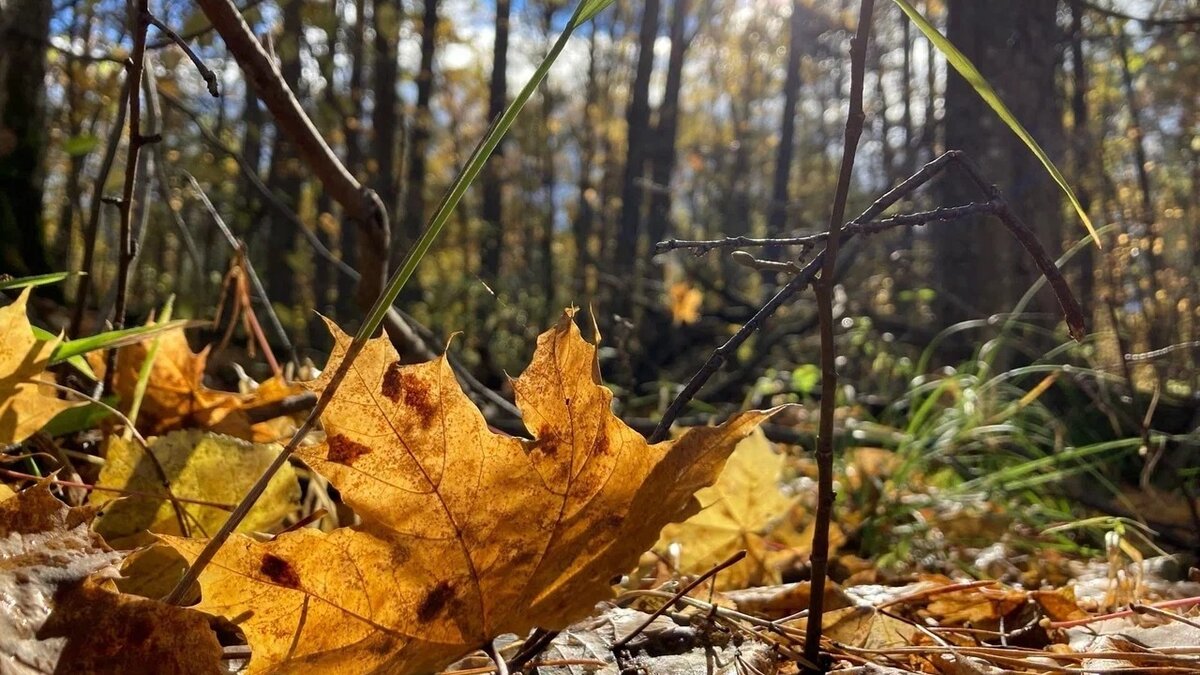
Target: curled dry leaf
x=26 y=405
x=466 y=534
x=57 y=617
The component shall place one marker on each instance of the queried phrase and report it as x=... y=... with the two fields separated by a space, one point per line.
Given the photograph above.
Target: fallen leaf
x=684 y=303
x=466 y=534
x=57 y=618
x=175 y=397
x=26 y=405
x=198 y=466
x=739 y=511
x=864 y=627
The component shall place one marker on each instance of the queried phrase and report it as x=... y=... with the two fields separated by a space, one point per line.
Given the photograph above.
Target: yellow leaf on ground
x=865 y=627
x=175 y=397
x=198 y=466
x=466 y=534
x=26 y=405
x=57 y=618
x=739 y=511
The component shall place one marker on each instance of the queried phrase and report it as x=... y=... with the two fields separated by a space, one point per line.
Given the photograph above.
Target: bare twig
x=819 y=558
x=140 y=14
x=210 y=78
x=728 y=562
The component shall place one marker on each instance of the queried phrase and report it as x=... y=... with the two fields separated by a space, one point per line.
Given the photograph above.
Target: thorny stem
x=824 y=292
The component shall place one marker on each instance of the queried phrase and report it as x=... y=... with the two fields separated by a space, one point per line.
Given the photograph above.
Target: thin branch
x=819 y=558
x=1190 y=20
x=134 y=67
x=210 y=78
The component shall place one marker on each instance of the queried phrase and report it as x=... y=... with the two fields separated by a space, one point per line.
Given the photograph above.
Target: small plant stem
x=728 y=562
x=137 y=60
x=824 y=292
x=395 y=284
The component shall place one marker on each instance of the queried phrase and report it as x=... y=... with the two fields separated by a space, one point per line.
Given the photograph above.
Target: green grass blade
x=77 y=361
x=39 y=280
x=973 y=77
x=115 y=338
x=469 y=173
x=139 y=390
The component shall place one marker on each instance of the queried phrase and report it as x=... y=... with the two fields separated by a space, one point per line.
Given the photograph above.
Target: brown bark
x=413 y=221
x=492 y=241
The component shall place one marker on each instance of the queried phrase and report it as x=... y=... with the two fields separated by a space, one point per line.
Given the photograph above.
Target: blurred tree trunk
x=492 y=239
x=980 y=269
x=585 y=215
x=414 y=189
x=1082 y=152
x=549 y=170
x=24 y=30
x=251 y=200
x=663 y=161
x=777 y=212
x=285 y=176
x=385 y=120
x=353 y=125
x=637 y=119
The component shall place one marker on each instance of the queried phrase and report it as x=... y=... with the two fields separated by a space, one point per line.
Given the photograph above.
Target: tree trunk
x=24 y=29
x=663 y=162
x=353 y=125
x=414 y=190
x=777 y=211
x=285 y=175
x=1080 y=137
x=980 y=269
x=385 y=120
x=492 y=240
x=637 y=139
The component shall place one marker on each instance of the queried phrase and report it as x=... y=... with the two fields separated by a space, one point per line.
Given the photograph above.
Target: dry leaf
x=175 y=397
x=25 y=404
x=199 y=466
x=466 y=534
x=55 y=620
x=684 y=303
x=739 y=511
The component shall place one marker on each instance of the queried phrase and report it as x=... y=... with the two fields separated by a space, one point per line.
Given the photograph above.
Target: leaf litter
x=460 y=536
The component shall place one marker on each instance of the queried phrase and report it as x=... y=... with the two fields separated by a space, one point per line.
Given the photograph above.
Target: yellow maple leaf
x=175 y=395
x=199 y=466
x=26 y=405
x=466 y=534
x=739 y=511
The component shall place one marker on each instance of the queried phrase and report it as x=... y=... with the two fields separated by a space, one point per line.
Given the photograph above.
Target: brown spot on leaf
x=345 y=451
x=393 y=382
x=279 y=571
x=416 y=396
x=435 y=601
x=602 y=445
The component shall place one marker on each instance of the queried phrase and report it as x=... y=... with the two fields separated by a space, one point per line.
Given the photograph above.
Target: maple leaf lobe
x=279 y=571
x=345 y=451
x=435 y=601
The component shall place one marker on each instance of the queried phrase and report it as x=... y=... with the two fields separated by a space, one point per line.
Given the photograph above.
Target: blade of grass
x=77 y=361
x=39 y=280
x=115 y=338
x=139 y=390
x=971 y=74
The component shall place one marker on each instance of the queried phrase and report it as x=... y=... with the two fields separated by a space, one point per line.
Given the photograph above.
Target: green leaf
x=589 y=9
x=78 y=146
x=39 y=280
x=973 y=77
x=82 y=418
x=114 y=338
x=80 y=364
